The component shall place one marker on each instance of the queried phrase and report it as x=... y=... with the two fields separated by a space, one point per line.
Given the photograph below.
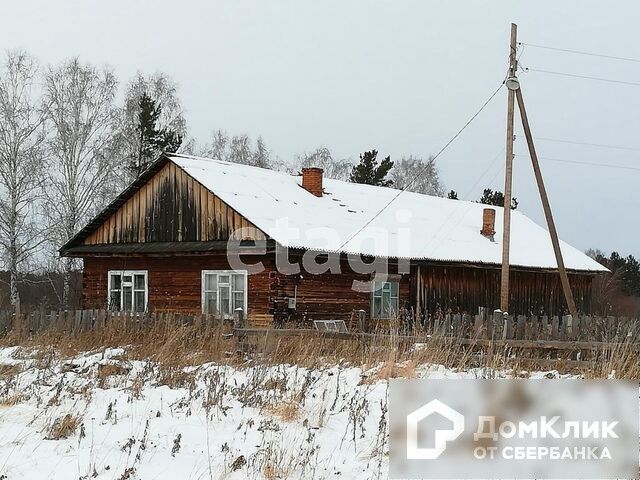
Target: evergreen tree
x=151 y=140
x=489 y=197
x=370 y=172
x=452 y=195
x=627 y=270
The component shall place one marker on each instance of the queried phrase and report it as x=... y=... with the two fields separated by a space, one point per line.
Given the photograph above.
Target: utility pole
x=564 y=279
x=506 y=224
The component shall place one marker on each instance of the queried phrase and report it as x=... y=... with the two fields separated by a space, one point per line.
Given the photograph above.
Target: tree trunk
x=66 y=283
x=13 y=285
x=14 y=294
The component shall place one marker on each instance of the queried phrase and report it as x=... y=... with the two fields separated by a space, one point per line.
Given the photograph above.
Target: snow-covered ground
x=102 y=416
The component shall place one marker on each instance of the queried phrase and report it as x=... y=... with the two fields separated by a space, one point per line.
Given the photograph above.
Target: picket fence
x=485 y=325
x=493 y=325
x=75 y=321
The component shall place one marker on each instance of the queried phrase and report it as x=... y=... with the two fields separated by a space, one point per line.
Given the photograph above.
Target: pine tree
x=489 y=197
x=370 y=172
x=628 y=269
x=151 y=141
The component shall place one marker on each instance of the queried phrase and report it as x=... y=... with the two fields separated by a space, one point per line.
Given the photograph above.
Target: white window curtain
x=224 y=291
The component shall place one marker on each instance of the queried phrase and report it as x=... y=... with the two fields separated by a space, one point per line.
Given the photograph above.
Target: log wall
x=174 y=283
x=330 y=296
x=175 y=286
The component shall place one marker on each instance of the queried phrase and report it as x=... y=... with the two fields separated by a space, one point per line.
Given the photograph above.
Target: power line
x=575 y=75
x=599 y=145
x=593 y=164
x=452 y=216
x=481 y=177
x=580 y=52
x=400 y=192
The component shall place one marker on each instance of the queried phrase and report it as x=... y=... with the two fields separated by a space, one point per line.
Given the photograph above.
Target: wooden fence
x=543 y=341
x=496 y=326
x=484 y=326
x=540 y=342
x=74 y=321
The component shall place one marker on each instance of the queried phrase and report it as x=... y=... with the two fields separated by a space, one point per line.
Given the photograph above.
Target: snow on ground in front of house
x=207 y=422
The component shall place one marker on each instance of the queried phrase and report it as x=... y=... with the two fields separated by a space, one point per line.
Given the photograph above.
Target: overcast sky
x=399 y=76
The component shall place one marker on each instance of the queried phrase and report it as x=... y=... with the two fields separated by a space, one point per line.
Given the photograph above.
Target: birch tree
x=261 y=156
x=321 y=157
x=218 y=148
x=418 y=176
x=239 y=149
x=21 y=156
x=79 y=101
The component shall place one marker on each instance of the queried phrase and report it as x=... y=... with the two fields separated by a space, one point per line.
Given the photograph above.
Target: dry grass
x=622 y=361
x=63 y=427
x=174 y=346
x=112 y=369
x=272 y=472
x=176 y=377
x=108 y=371
x=13 y=399
x=164 y=341
x=136 y=386
x=278 y=384
x=288 y=410
x=391 y=369
x=8 y=371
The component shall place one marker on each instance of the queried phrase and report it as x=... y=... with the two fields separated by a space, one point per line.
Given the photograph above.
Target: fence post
x=496 y=321
x=568 y=326
x=520 y=326
x=555 y=323
x=456 y=325
x=446 y=330
x=238 y=318
x=534 y=328
x=478 y=322
x=362 y=321
x=465 y=328
x=506 y=326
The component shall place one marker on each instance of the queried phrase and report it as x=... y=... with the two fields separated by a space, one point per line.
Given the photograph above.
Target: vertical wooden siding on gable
x=172 y=207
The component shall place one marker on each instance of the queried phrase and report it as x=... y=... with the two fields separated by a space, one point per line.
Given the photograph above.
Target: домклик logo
x=442 y=437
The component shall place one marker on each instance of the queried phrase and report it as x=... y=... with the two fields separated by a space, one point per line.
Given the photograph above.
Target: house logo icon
x=442 y=437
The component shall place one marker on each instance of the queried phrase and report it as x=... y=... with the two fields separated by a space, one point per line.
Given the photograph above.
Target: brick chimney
x=312 y=180
x=488 y=222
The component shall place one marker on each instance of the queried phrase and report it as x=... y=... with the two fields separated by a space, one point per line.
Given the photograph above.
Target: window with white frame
x=128 y=290
x=223 y=291
x=384 y=299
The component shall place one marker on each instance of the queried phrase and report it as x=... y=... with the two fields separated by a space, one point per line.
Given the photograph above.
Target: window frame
x=122 y=274
x=245 y=275
x=378 y=293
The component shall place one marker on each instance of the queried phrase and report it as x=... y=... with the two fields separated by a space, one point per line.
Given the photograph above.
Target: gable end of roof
x=115 y=204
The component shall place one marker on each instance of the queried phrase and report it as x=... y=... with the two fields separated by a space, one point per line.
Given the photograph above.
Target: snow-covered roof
x=413 y=226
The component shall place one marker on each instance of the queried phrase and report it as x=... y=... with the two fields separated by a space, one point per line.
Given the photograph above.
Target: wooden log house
x=166 y=244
